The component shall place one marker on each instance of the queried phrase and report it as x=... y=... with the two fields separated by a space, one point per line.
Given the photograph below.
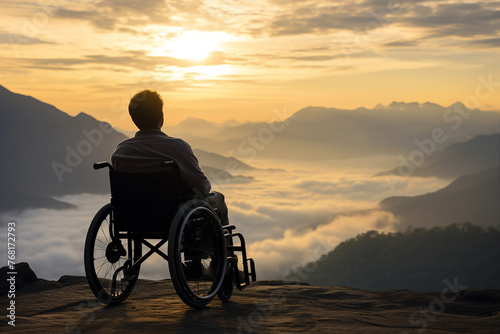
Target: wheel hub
x=112 y=253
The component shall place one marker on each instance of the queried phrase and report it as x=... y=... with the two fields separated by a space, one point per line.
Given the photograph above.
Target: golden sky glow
x=228 y=59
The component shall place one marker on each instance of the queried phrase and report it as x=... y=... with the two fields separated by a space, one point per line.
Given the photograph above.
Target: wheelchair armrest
x=229 y=228
x=100 y=165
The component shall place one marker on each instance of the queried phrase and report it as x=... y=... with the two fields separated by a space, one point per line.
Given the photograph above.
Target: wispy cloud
x=405 y=43
x=455 y=19
x=114 y=14
x=447 y=19
x=132 y=60
x=129 y=15
x=352 y=187
x=280 y=255
x=489 y=42
x=14 y=38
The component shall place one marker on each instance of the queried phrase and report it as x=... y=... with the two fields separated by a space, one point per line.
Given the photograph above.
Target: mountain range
x=46 y=152
x=469 y=157
x=470 y=198
x=319 y=133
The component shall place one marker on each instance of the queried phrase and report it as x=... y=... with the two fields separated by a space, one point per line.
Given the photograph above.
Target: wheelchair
x=202 y=258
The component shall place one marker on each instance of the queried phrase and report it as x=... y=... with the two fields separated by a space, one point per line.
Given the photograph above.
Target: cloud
x=119 y=15
x=286 y=223
x=99 y=19
x=12 y=38
x=133 y=60
x=428 y=19
x=442 y=20
x=52 y=241
x=131 y=16
x=314 y=58
x=318 y=20
x=275 y=258
x=272 y=219
x=456 y=19
x=489 y=42
x=407 y=43
x=353 y=188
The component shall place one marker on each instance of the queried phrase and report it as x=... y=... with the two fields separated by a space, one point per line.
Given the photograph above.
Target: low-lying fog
x=288 y=216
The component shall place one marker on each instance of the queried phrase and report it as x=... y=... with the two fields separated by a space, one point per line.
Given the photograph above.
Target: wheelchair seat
x=146 y=204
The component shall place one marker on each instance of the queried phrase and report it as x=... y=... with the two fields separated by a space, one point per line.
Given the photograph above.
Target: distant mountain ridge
x=50 y=153
x=47 y=153
x=319 y=133
x=475 y=155
x=471 y=198
x=215 y=160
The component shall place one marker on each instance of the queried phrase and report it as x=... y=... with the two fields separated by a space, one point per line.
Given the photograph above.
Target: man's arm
x=190 y=171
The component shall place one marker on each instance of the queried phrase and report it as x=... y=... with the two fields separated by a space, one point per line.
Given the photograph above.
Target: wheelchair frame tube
x=153 y=249
x=242 y=248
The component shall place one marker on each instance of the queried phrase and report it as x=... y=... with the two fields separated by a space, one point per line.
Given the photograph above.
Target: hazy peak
x=194 y=121
x=83 y=115
x=458 y=105
x=315 y=110
x=402 y=105
x=415 y=105
x=4 y=90
x=231 y=122
x=430 y=105
x=395 y=105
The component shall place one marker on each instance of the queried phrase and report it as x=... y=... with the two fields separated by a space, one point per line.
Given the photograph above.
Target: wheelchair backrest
x=145 y=203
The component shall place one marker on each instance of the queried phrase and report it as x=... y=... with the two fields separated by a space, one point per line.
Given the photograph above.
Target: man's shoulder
x=177 y=141
x=157 y=138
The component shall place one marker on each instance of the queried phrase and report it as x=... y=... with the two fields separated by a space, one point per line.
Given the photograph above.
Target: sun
x=194 y=45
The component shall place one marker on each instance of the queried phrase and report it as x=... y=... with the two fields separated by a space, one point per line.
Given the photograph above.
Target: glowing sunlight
x=195 y=45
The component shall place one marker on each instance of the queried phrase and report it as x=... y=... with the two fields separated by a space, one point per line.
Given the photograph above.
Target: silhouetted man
x=150 y=146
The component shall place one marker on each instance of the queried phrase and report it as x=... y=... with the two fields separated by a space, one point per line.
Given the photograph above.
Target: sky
x=228 y=59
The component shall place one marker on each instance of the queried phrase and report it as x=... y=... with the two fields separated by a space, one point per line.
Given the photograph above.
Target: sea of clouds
x=289 y=217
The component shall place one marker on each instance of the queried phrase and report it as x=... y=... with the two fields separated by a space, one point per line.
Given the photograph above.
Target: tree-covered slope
x=416 y=259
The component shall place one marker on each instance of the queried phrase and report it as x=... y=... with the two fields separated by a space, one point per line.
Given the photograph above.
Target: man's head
x=146 y=110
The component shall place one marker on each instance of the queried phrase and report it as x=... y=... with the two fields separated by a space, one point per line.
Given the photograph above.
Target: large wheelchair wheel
x=197 y=253
x=107 y=263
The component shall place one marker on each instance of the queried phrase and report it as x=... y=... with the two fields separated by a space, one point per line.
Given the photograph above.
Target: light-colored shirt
x=148 y=148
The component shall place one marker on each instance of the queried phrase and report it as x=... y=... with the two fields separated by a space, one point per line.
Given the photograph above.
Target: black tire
x=197 y=253
x=103 y=260
x=226 y=290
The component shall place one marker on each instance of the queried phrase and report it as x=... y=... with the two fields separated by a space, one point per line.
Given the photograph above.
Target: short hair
x=146 y=109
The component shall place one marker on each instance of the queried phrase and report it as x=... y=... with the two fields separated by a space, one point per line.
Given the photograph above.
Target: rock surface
x=23 y=276
x=68 y=306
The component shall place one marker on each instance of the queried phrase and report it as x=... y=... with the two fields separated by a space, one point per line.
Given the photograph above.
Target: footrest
x=252 y=272
x=249 y=274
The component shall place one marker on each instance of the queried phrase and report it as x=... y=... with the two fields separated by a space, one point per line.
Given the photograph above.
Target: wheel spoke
x=102 y=262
